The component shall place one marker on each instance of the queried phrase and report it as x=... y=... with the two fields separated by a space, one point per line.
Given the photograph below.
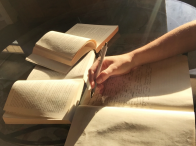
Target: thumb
x=104 y=75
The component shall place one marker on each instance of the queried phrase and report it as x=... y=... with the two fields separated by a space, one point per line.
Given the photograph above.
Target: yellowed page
x=160 y=85
x=105 y=126
x=42 y=73
x=80 y=70
x=48 y=98
x=10 y=118
x=96 y=32
x=62 y=44
x=48 y=63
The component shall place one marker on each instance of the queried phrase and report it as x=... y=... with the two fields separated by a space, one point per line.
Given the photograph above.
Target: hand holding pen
x=102 y=55
x=111 y=66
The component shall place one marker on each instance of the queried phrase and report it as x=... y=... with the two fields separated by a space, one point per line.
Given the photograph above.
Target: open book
x=67 y=48
x=78 y=71
x=152 y=105
x=43 y=102
x=48 y=97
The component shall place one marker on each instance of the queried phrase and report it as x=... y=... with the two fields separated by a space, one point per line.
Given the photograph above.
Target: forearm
x=177 y=41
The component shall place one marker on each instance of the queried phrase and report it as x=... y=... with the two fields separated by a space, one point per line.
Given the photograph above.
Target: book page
x=42 y=73
x=80 y=70
x=97 y=32
x=114 y=126
x=48 y=63
x=10 y=118
x=48 y=98
x=61 y=44
x=160 y=85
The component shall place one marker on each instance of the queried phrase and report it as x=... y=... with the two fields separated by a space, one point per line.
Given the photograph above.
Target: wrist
x=132 y=59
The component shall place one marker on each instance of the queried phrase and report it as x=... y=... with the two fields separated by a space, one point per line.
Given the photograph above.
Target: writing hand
x=112 y=65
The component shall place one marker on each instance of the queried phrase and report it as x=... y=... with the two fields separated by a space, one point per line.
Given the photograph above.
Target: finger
x=91 y=73
x=95 y=65
x=104 y=66
x=91 y=78
x=104 y=75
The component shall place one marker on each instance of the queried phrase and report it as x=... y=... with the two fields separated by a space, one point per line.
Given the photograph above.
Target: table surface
x=139 y=23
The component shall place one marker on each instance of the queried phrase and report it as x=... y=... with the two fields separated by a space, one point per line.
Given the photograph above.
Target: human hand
x=112 y=65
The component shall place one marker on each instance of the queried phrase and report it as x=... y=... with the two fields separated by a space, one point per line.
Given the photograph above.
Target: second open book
x=161 y=85
x=56 y=50
x=151 y=105
x=48 y=97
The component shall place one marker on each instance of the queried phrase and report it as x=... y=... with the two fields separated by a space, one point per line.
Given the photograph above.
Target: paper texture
x=80 y=70
x=95 y=126
x=96 y=32
x=48 y=98
x=10 y=118
x=48 y=63
x=160 y=85
x=63 y=44
x=42 y=73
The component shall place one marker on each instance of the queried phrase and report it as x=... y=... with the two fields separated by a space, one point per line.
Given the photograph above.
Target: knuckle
x=114 y=68
x=105 y=72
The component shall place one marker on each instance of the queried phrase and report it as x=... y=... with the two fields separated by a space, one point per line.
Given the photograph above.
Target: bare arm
x=177 y=41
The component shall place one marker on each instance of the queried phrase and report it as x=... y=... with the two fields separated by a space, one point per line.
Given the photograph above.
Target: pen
x=102 y=54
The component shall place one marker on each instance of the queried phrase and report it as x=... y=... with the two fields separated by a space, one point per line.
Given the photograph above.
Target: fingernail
x=92 y=72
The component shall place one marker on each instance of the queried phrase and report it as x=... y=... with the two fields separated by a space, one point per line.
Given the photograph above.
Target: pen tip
x=91 y=94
